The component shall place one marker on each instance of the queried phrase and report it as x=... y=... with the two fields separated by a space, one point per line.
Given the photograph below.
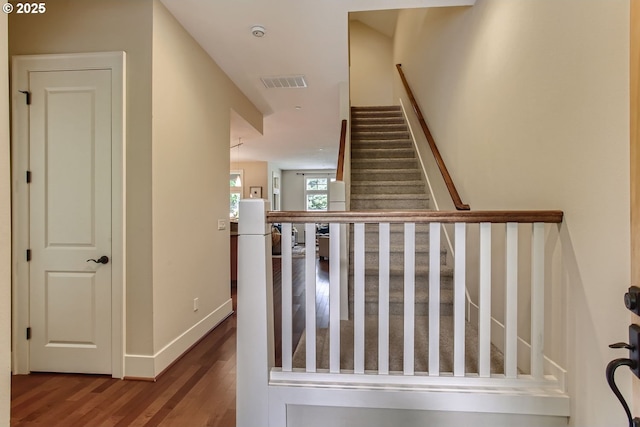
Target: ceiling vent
x=284 y=82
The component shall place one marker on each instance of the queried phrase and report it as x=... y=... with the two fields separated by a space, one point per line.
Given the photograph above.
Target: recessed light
x=298 y=107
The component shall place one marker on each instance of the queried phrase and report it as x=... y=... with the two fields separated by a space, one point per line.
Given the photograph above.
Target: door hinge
x=28 y=96
x=29 y=333
x=28 y=177
x=28 y=254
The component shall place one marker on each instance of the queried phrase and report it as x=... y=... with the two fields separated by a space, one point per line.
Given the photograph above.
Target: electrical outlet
x=222 y=224
x=195 y=304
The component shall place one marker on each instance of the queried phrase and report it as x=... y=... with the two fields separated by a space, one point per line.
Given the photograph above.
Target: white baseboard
x=146 y=366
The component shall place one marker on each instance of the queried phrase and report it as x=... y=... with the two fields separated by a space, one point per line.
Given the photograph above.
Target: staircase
x=386 y=175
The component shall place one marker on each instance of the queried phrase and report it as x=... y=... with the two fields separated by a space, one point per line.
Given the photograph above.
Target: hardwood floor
x=198 y=390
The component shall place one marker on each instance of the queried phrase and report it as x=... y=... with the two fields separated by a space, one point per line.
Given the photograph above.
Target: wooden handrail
x=341 y=151
x=347 y=217
x=453 y=192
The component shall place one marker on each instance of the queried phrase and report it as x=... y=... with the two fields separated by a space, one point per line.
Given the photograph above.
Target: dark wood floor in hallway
x=198 y=390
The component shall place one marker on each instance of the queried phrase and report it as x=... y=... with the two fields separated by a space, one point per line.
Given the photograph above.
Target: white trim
x=145 y=366
x=463 y=399
x=22 y=66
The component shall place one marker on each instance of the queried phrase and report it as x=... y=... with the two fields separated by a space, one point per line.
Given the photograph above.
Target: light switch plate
x=222 y=224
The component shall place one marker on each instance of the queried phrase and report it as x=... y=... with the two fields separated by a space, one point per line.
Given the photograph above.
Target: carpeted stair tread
x=381 y=163
x=381 y=144
x=363 y=120
x=379 y=135
x=415 y=196
x=385 y=174
x=396 y=346
x=386 y=152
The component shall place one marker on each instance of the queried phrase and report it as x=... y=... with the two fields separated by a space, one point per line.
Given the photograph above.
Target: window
x=316 y=193
x=235 y=193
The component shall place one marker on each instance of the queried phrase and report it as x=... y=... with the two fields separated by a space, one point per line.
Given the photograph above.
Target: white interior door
x=70 y=221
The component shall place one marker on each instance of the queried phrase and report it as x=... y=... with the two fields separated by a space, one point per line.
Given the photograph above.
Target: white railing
x=471 y=229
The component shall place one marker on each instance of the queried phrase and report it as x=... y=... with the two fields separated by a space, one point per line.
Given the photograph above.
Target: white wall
x=371 y=68
x=529 y=104
x=5 y=234
x=190 y=163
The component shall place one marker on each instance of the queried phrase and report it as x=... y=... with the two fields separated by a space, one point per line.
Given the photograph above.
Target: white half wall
x=319 y=416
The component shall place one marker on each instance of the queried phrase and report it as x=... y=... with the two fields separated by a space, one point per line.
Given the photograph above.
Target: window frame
x=239 y=189
x=308 y=192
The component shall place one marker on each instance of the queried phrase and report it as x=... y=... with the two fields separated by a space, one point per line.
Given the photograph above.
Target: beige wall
x=371 y=68
x=255 y=174
x=529 y=104
x=177 y=163
x=75 y=26
x=192 y=100
x=5 y=234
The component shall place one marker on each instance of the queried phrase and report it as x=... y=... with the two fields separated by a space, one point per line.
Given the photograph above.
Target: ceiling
x=307 y=37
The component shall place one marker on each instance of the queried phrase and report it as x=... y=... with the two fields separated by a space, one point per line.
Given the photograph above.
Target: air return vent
x=284 y=82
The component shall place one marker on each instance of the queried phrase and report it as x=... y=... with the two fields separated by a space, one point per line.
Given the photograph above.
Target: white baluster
x=409 y=296
x=383 y=300
x=511 y=304
x=310 y=296
x=434 y=299
x=287 y=297
x=358 y=298
x=484 y=327
x=334 y=298
x=537 y=301
x=459 y=295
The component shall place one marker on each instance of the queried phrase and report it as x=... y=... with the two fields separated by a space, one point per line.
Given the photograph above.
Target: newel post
x=338 y=202
x=255 y=348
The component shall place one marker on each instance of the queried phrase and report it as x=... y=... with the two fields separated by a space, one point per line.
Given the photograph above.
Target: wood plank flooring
x=198 y=390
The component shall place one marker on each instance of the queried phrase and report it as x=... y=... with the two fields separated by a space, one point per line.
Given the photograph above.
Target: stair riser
x=421 y=309
x=397 y=258
x=382 y=153
x=382 y=144
x=386 y=189
x=379 y=120
x=357 y=164
x=396 y=238
x=362 y=136
x=396 y=277
x=357 y=127
x=389 y=204
x=359 y=112
x=395 y=175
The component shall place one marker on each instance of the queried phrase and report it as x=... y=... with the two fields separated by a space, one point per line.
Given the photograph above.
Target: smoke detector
x=258 y=31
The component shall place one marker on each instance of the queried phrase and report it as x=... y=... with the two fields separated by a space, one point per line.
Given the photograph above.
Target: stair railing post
x=338 y=202
x=255 y=343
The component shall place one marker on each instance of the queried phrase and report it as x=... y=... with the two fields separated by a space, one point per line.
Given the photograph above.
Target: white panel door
x=70 y=221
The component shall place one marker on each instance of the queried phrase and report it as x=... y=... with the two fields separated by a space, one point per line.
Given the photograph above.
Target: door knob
x=102 y=260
